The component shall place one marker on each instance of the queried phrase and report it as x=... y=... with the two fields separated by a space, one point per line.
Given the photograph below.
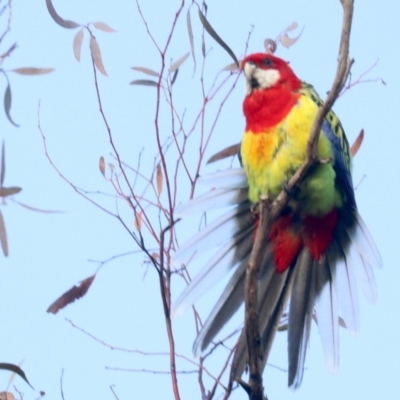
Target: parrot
x=318 y=253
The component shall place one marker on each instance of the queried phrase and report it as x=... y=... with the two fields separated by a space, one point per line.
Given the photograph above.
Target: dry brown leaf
x=357 y=143
x=36 y=209
x=102 y=26
x=7 y=104
x=3 y=235
x=227 y=152
x=138 y=221
x=178 y=62
x=292 y=26
x=6 y=396
x=102 y=166
x=231 y=67
x=75 y=293
x=32 y=71
x=96 y=55
x=147 y=71
x=8 y=52
x=60 y=21
x=77 y=44
x=287 y=41
x=160 y=179
x=4 y=192
x=144 y=82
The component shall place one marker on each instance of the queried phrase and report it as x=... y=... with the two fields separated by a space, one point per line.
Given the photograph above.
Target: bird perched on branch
x=319 y=251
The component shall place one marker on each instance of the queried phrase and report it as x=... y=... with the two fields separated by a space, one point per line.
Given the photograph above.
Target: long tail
x=322 y=288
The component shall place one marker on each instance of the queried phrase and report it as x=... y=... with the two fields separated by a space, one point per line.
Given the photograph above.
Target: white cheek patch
x=249 y=71
x=266 y=77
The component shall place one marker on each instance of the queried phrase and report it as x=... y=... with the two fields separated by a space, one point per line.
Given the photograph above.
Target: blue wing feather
x=341 y=167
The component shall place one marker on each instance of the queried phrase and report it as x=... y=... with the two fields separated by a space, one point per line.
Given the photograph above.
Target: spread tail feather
x=274 y=289
x=300 y=316
x=324 y=288
x=229 y=255
x=221 y=230
x=327 y=313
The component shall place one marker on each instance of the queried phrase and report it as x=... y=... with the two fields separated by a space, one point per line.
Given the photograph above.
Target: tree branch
x=269 y=212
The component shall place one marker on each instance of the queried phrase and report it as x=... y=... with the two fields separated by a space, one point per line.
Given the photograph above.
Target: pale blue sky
x=49 y=252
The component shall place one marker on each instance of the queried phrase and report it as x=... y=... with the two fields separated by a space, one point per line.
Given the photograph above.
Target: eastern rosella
x=319 y=248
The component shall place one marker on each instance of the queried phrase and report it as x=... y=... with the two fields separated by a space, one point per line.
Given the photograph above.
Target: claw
x=325 y=160
x=254 y=209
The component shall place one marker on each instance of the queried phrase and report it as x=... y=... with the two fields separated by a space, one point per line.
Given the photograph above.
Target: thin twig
x=152 y=371
x=61 y=384
x=112 y=389
x=164 y=270
x=142 y=352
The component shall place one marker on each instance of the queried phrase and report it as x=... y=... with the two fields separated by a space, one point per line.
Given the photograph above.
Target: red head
x=272 y=90
x=264 y=71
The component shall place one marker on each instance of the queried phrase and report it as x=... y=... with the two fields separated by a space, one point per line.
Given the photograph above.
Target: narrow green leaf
x=3 y=165
x=144 y=82
x=17 y=370
x=7 y=105
x=191 y=38
x=60 y=21
x=174 y=77
x=216 y=37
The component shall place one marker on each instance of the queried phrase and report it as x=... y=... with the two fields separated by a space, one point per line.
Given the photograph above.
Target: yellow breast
x=271 y=157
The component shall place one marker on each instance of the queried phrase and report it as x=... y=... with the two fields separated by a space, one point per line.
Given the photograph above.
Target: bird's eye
x=267 y=62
